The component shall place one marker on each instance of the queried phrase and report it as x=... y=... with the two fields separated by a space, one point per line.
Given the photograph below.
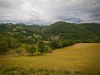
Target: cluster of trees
x=62 y=43
x=37 y=49
x=7 y=42
x=34 y=49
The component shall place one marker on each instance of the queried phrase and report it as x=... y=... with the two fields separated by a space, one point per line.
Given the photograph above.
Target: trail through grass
x=83 y=57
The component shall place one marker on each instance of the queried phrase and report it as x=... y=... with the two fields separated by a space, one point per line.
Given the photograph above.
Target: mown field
x=82 y=57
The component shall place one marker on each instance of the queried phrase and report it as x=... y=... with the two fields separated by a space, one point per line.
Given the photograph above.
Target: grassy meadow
x=82 y=57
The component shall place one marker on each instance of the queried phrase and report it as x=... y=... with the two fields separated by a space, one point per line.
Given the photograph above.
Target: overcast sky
x=49 y=11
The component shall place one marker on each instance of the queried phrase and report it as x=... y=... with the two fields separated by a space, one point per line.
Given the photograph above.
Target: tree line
x=8 y=42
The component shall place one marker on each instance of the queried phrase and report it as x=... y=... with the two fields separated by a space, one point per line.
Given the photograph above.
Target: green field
x=82 y=57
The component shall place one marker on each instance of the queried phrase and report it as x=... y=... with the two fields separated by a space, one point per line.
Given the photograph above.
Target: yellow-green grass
x=83 y=57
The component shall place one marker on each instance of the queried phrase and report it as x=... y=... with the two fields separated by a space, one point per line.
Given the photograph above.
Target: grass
x=82 y=57
x=14 y=70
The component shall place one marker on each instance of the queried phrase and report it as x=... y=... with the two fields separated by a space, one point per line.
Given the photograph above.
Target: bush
x=35 y=71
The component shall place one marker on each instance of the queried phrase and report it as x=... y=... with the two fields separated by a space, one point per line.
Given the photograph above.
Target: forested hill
x=86 y=32
x=56 y=35
x=44 y=38
x=80 y=32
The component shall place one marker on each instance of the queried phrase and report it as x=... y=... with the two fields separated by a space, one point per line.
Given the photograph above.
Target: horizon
x=48 y=24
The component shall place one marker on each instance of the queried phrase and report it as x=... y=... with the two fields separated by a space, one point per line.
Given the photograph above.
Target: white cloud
x=49 y=11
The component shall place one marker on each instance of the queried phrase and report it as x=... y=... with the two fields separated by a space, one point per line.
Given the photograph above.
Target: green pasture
x=82 y=57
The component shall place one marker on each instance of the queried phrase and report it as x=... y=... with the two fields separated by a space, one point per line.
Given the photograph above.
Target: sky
x=49 y=11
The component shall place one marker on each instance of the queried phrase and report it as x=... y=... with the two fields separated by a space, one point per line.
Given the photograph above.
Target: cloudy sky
x=49 y=11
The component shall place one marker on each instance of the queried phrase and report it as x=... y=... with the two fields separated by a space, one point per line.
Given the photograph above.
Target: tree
x=47 y=48
x=33 y=49
x=59 y=44
x=12 y=42
x=3 y=47
x=19 y=50
x=41 y=47
x=56 y=44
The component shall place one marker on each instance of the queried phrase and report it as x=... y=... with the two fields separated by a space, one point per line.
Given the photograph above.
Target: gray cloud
x=49 y=11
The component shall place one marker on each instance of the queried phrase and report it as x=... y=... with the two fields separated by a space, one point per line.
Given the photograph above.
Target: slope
x=69 y=31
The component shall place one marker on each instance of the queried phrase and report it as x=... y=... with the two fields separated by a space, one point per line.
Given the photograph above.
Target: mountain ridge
x=68 y=31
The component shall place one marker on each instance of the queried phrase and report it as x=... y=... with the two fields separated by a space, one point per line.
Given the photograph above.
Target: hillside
x=93 y=27
x=70 y=31
x=56 y=35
